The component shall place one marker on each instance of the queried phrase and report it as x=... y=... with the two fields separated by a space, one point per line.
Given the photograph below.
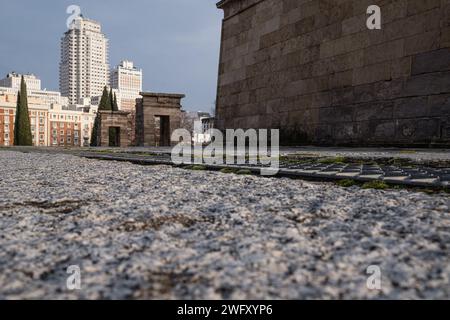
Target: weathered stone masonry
x=158 y=115
x=314 y=70
x=116 y=119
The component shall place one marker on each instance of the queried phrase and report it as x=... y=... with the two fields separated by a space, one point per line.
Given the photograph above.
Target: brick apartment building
x=51 y=125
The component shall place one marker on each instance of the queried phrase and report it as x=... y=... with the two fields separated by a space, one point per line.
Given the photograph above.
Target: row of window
x=68 y=133
x=41 y=138
x=63 y=117
x=63 y=141
x=63 y=124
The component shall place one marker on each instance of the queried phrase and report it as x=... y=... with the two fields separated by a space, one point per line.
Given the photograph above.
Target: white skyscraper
x=127 y=79
x=84 y=69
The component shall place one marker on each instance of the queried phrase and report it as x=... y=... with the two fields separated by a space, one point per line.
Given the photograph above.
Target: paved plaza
x=155 y=232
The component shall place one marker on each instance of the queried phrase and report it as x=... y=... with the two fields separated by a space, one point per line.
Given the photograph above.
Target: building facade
x=38 y=112
x=11 y=85
x=84 y=70
x=70 y=126
x=51 y=125
x=314 y=70
x=13 y=80
x=127 y=79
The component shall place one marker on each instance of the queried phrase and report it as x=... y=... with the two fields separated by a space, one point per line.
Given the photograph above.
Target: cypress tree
x=104 y=101
x=94 y=138
x=104 y=105
x=16 y=121
x=115 y=105
x=23 y=127
x=111 y=100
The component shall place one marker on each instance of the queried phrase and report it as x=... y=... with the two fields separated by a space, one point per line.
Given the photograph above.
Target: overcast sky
x=175 y=42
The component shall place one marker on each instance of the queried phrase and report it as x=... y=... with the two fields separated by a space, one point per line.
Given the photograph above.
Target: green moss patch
x=196 y=167
x=228 y=170
x=379 y=185
x=244 y=171
x=346 y=183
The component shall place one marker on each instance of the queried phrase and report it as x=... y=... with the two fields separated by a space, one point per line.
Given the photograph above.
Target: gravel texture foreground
x=161 y=232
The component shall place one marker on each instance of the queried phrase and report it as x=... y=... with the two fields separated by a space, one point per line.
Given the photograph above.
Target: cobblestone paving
x=417 y=175
x=421 y=168
x=154 y=232
x=409 y=172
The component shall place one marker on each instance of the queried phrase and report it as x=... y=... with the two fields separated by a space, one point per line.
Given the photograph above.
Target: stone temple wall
x=314 y=70
x=149 y=109
x=116 y=119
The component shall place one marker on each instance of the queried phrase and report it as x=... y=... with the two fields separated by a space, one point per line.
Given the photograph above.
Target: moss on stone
x=196 y=167
x=379 y=185
x=346 y=183
x=244 y=171
x=228 y=170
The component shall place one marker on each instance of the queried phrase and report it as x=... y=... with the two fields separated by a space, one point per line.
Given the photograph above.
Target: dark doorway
x=164 y=131
x=114 y=136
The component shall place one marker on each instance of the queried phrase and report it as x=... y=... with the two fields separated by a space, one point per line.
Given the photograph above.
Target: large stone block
x=432 y=61
x=418 y=130
x=374 y=111
x=417 y=6
x=376 y=131
x=387 y=51
x=424 y=42
x=408 y=108
x=401 y=67
x=427 y=84
x=336 y=114
x=372 y=73
x=439 y=105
